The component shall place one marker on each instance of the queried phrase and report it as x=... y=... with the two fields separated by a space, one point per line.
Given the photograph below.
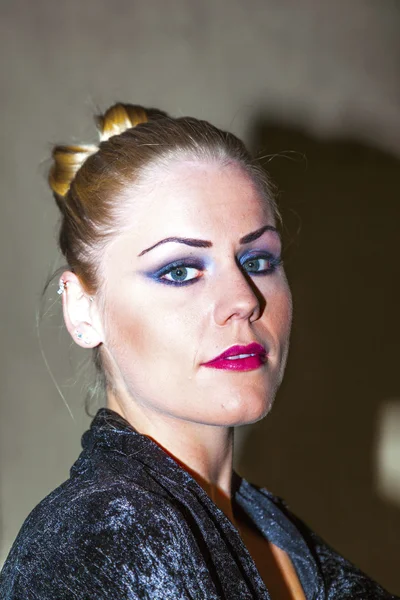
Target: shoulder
x=97 y=539
x=77 y=507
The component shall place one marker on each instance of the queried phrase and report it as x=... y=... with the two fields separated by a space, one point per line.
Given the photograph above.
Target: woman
x=175 y=279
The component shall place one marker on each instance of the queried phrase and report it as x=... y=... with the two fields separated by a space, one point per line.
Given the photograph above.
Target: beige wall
x=321 y=78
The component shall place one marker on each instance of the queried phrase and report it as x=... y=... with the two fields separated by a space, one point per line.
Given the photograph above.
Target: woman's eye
x=180 y=274
x=260 y=264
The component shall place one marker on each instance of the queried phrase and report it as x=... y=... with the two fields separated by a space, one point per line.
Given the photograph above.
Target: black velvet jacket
x=131 y=523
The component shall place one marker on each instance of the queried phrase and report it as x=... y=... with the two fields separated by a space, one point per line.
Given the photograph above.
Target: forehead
x=197 y=198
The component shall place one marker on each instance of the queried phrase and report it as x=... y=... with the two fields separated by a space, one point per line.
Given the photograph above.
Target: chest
x=273 y=564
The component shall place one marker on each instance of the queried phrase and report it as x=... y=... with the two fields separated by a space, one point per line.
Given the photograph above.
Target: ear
x=80 y=312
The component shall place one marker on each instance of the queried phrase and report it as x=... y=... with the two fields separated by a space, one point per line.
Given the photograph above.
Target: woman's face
x=172 y=306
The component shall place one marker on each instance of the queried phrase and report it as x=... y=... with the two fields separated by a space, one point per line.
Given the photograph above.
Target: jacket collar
x=111 y=433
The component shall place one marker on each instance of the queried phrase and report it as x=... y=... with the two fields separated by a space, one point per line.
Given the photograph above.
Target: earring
x=80 y=337
x=62 y=286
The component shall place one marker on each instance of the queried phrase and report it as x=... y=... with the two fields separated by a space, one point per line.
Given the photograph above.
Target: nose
x=237 y=298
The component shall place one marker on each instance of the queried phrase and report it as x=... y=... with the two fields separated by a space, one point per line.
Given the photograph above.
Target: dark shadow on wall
x=317 y=449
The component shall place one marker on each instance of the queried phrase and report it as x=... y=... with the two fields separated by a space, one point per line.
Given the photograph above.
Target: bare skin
x=273 y=564
x=156 y=336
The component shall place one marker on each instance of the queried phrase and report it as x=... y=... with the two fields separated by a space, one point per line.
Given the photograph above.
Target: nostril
x=237 y=303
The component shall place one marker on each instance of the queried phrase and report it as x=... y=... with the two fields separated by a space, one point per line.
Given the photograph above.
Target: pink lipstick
x=239 y=358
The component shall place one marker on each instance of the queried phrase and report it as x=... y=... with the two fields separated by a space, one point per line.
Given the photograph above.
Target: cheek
x=285 y=309
x=147 y=333
x=278 y=310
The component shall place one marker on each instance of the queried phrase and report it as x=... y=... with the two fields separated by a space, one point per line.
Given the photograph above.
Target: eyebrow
x=246 y=239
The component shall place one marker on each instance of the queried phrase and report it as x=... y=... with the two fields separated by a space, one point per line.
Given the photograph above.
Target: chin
x=241 y=398
x=245 y=409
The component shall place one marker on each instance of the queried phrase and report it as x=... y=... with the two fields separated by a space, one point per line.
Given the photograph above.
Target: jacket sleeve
x=105 y=547
x=342 y=580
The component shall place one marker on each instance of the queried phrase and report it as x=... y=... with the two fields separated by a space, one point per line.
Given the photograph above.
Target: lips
x=239 y=358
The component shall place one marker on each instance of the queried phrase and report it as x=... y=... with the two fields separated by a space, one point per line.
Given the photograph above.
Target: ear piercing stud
x=81 y=338
x=62 y=286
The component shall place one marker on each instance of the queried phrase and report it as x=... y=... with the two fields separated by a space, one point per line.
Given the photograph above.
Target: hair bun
x=120 y=117
x=69 y=159
x=67 y=162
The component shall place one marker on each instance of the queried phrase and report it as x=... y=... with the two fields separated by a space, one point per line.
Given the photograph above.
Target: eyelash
x=274 y=263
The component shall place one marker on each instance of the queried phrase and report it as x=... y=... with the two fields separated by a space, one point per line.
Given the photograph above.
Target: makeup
x=180 y=272
x=186 y=271
x=260 y=262
x=239 y=358
x=246 y=239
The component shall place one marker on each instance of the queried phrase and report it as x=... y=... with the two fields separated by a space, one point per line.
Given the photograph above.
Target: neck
x=205 y=451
